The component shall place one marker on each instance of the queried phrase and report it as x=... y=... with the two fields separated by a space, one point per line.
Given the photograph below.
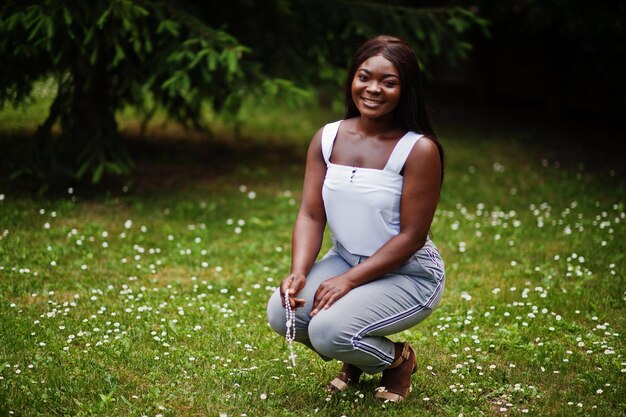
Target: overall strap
x=401 y=152
x=328 y=138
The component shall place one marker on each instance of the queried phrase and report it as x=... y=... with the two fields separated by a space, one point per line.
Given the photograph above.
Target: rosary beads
x=291 y=328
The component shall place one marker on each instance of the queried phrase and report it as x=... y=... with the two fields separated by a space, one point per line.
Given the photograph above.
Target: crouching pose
x=375 y=178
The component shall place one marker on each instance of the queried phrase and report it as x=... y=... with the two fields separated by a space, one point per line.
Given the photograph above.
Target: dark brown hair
x=411 y=113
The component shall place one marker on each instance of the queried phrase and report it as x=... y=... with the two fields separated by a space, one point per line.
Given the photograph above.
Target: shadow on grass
x=171 y=159
x=168 y=162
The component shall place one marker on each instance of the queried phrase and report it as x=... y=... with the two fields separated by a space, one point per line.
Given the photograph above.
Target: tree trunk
x=89 y=127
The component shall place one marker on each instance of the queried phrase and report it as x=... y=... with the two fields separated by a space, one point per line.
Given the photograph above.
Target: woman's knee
x=276 y=314
x=329 y=334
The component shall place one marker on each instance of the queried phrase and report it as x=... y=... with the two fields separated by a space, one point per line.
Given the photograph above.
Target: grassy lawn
x=148 y=296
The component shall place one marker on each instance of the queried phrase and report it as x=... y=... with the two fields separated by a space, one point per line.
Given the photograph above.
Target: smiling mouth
x=370 y=102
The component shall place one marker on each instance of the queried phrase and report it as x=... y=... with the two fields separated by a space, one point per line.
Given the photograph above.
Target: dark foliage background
x=187 y=57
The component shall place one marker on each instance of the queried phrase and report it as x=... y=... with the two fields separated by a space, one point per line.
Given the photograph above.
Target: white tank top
x=363 y=204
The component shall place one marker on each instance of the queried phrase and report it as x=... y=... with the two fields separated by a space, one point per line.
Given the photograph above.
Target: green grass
x=148 y=298
x=26 y=116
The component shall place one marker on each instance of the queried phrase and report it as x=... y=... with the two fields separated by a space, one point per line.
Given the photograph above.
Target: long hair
x=411 y=112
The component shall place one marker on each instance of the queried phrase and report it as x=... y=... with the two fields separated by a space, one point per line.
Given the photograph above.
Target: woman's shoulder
x=347 y=124
x=336 y=126
x=425 y=146
x=338 y=123
x=424 y=155
x=316 y=140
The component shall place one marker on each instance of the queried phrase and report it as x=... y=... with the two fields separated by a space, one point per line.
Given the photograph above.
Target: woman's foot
x=349 y=375
x=396 y=380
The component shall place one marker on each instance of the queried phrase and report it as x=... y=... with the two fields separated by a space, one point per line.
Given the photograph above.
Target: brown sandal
x=348 y=376
x=396 y=380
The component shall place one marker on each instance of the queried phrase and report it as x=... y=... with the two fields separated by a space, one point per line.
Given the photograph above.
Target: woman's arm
x=420 y=195
x=308 y=230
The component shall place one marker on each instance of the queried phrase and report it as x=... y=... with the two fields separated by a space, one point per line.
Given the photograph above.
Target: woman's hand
x=291 y=285
x=330 y=291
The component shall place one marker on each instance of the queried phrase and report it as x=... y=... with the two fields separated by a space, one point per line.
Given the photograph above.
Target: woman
x=375 y=177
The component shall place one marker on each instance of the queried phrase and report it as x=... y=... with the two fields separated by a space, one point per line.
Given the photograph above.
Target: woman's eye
x=362 y=78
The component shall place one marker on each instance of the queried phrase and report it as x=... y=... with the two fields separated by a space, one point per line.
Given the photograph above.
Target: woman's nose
x=373 y=87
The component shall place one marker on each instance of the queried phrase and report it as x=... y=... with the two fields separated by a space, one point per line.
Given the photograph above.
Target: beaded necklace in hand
x=291 y=328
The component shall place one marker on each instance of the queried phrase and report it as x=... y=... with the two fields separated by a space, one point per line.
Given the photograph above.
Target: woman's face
x=376 y=87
